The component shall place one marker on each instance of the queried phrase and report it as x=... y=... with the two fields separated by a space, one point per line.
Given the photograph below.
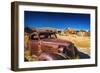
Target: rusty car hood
x=57 y=41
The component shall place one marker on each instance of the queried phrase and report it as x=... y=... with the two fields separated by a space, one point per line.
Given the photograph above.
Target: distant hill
x=67 y=31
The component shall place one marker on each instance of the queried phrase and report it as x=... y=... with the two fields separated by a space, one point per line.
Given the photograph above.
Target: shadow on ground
x=83 y=55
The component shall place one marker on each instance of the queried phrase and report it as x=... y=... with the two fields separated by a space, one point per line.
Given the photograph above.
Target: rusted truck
x=46 y=46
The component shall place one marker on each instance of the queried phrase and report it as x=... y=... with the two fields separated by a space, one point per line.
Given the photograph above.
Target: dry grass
x=81 y=42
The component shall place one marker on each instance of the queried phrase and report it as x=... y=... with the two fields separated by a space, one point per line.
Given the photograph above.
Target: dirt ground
x=81 y=42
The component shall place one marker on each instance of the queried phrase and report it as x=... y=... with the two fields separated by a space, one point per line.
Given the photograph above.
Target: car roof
x=43 y=32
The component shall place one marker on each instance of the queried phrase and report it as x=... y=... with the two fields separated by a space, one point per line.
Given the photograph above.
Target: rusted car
x=46 y=46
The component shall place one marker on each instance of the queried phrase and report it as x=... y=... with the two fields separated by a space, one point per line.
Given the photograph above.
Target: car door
x=35 y=44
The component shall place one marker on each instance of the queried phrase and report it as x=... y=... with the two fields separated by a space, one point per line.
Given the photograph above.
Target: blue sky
x=57 y=20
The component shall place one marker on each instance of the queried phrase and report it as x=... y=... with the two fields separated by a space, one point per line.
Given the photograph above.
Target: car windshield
x=34 y=37
x=47 y=35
